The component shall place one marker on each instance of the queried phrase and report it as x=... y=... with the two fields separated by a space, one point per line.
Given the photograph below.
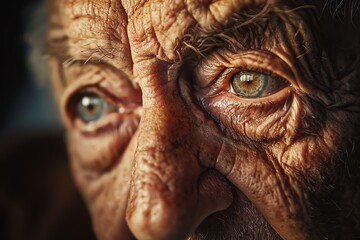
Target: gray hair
x=344 y=10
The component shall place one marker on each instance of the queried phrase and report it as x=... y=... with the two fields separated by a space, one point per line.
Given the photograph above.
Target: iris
x=91 y=107
x=251 y=84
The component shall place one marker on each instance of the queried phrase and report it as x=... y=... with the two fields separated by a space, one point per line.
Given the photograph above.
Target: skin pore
x=210 y=119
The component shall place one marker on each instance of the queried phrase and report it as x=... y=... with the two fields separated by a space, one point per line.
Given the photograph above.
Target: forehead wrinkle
x=79 y=8
x=97 y=30
x=130 y=6
x=245 y=29
x=215 y=13
x=167 y=22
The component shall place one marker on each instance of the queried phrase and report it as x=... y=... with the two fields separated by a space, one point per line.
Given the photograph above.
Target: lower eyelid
x=109 y=123
x=94 y=154
x=225 y=99
x=247 y=119
x=276 y=97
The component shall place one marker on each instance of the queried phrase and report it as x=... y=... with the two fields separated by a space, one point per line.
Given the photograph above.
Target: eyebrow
x=243 y=30
x=59 y=47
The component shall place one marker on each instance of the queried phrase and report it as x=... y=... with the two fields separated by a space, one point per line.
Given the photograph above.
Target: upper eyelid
x=261 y=61
x=255 y=70
x=100 y=91
x=98 y=74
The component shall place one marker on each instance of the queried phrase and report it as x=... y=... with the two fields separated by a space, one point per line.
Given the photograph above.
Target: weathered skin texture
x=186 y=157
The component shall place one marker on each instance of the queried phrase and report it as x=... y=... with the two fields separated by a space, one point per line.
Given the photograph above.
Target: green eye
x=251 y=84
x=92 y=107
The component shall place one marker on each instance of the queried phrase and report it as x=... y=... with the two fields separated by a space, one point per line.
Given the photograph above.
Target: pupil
x=91 y=107
x=90 y=103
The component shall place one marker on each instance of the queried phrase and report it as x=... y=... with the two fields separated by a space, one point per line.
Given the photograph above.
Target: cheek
x=101 y=164
x=317 y=151
x=99 y=150
x=106 y=193
x=297 y=132
x=274 y=174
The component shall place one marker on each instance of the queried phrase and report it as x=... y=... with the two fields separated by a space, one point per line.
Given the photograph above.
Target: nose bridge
x=164 y=150
x=166 y=117
x=170 y=194
x=165 y=171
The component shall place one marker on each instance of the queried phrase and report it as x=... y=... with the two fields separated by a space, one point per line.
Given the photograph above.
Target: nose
x=170 y=192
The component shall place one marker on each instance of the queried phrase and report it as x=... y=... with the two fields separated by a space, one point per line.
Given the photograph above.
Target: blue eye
x=250 y=84
x=92 y=107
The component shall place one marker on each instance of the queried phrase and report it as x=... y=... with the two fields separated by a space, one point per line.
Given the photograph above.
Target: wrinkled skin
x=185 y=156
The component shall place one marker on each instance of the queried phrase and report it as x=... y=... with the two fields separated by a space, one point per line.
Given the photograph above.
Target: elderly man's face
x=209 y=119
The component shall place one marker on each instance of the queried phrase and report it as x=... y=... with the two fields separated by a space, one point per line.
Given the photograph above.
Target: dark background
x=27 y=105
x=38 y=199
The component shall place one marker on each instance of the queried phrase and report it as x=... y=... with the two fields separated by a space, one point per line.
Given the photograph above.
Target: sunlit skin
x=210 y=119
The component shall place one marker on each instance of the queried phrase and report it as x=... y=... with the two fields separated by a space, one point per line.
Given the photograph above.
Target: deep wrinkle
x=277 y=149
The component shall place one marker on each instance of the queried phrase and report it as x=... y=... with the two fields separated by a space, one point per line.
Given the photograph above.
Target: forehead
x=205 y=12
x=127 y=32
x=112 y=24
